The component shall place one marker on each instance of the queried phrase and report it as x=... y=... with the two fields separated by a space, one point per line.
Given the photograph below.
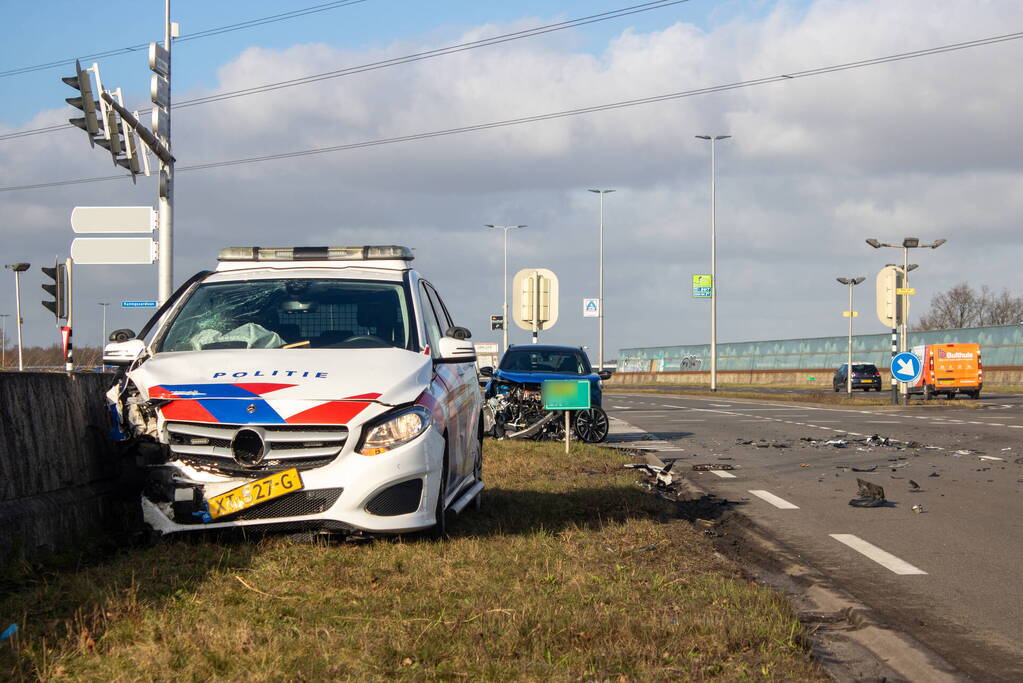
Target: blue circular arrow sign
x=906 y=367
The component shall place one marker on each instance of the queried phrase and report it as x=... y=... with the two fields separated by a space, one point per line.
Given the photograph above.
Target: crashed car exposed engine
x=514 y=405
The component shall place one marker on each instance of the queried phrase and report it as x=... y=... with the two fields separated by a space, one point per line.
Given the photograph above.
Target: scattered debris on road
x=918 y=508
x=871 y=495
x=707 y=467
x=763 y=443
x=913 y=486
x=872 y=468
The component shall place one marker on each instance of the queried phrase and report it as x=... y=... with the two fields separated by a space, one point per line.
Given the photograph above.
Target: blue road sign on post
x=906 y=367
x=138 y=304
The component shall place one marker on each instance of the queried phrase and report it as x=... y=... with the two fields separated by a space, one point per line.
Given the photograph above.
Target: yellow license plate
x=255 y=493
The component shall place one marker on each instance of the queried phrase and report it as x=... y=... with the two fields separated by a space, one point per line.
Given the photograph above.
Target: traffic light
x=86 y=101
x=497 y=322
x=58 y=290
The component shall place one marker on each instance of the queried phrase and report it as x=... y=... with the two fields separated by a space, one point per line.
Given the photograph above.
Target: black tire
x=591 y=426
x=975 y=395
x=440 y=527
x=477 y=468
x=928 y=392
x=835 y=385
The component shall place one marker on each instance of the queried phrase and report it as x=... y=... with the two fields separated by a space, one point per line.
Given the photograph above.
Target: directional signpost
x=906 y=368
x=138 y=304
x=112 y=250
x=87 y=219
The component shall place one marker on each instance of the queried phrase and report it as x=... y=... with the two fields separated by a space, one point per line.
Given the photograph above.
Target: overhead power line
x=621 y=104
x=382 y=64
x=206 y=33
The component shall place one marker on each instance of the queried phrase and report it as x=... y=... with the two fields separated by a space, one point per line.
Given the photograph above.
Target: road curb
x=850 y=641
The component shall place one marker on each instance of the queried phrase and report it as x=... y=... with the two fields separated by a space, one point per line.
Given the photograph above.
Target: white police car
x=302 y=388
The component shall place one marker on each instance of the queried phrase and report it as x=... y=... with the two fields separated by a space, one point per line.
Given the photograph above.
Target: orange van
x=949 y=369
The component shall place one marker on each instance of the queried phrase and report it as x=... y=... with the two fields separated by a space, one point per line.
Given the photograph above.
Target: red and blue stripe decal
x=245 y=404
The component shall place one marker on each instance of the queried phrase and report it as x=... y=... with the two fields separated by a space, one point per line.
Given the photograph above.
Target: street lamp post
x=103 y=341
x=903 y=307
x=600 y=295
x=18 y=269
x=504 y=280
x=713 y=265
x=851 y=282
x=3 y=339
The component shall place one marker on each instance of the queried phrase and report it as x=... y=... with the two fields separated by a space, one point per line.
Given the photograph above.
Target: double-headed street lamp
x=713 y=265
x=18 y=269
x=504 y=280
x=600 y=295
x=903 y=309
x=851 y=282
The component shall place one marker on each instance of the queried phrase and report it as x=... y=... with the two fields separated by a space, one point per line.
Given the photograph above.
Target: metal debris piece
x=837 y=443
x=918 y=508
x=707 y=467
x=871 y=495
x=804 y=464
x=933 y=474
x=913 y=485
x=872 y=468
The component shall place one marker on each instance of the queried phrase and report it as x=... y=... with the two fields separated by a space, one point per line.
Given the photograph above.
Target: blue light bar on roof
x=388 y=252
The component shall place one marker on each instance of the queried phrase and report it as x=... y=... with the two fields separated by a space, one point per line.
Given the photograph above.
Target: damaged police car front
x=306 y=388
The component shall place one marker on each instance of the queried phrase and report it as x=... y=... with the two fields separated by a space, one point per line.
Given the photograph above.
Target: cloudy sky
x=926 y=147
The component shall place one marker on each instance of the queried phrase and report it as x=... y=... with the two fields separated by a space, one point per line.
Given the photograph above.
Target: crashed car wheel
x=591 y=425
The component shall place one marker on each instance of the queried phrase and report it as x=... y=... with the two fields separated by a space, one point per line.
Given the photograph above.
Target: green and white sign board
x=566 y=394
x=703 y=285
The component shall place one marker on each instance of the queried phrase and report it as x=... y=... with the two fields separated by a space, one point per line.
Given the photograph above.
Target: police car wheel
x=440 y=528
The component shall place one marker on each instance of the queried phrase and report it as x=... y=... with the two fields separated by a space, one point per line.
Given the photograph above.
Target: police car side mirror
x=453 y=350
x=458 y=333
x=121 y=335
x=123 y=352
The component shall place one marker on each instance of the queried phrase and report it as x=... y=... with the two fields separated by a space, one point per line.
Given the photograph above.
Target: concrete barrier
x=58 y=470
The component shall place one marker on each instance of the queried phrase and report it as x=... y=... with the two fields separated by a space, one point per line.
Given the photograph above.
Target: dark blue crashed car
x=514 y=404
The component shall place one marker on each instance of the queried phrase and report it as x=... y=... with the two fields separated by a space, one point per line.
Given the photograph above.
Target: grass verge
x=569 y=572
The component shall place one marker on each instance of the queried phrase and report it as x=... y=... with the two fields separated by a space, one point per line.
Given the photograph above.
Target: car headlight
x=394 y=430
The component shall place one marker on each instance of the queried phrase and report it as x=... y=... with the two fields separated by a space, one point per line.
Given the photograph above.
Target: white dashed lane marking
x=774 y=500
x=724 y=474
x=883 y=558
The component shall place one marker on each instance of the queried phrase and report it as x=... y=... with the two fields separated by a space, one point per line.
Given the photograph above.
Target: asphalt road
x=949 y=575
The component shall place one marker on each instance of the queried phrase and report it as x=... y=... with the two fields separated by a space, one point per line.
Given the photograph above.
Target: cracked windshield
x=292 y=314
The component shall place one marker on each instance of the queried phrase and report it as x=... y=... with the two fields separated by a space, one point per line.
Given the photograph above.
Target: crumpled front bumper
x=374 y=494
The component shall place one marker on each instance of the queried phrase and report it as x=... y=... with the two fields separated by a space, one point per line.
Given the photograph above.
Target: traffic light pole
x=69 y=359
x=165 y=264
